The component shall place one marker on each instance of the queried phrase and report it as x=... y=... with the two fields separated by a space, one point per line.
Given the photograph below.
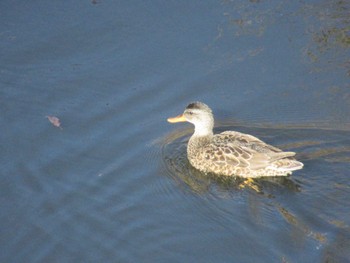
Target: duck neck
x=202 y=136
x=204 y=129
x=203 y=132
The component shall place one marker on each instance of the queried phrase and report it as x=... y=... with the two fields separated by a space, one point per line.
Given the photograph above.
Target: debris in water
x=55 y=121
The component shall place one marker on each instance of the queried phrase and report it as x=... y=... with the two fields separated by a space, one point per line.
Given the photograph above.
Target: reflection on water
x=322 y=145
x=180 y=170
x=326 y=145
x=99 y=190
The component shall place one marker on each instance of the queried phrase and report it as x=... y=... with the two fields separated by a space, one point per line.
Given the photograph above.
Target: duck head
x=200 y=115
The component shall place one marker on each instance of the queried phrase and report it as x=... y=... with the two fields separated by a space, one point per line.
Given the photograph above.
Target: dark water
x=112 y=184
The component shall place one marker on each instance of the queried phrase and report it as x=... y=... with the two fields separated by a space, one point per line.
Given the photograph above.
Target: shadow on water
x=180 y=170
x=314 y=148
x=309 y=144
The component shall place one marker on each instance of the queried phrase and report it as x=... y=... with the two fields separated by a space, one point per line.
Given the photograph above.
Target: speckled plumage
x=232 y=153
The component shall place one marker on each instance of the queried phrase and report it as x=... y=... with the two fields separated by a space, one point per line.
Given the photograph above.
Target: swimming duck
x=231 y=153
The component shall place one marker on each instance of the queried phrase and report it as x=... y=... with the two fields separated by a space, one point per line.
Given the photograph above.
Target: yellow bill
x=179 y=118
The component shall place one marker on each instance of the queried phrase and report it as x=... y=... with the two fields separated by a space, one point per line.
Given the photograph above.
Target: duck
x=231 y=153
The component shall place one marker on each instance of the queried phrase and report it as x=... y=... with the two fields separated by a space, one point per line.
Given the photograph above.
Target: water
x=113 y=183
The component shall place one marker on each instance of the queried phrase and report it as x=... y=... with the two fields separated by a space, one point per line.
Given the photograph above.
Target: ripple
x=315 y=147
x=178 y=168
x=253 y=210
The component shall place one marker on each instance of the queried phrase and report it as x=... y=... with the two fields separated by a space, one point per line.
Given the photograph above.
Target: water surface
x=112 y=183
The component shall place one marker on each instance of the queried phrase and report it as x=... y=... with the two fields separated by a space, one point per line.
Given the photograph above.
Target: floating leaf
x=54 y=121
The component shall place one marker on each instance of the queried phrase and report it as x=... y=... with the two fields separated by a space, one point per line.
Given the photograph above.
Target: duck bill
x=179 y=118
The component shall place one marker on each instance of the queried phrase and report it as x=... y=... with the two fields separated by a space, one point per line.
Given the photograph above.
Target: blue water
x=112 y=183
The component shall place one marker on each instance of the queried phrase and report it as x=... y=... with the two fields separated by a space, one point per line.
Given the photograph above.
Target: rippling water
x=113 y=184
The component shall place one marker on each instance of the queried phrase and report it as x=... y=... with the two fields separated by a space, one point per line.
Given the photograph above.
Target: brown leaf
x=55 y=121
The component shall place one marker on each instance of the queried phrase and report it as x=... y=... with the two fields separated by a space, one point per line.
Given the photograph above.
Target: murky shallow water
x=113 y=184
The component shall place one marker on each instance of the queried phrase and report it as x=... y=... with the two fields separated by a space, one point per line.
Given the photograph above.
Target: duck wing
x=245 y=140
x=243 y=150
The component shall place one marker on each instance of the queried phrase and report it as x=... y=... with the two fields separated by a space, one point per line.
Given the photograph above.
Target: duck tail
x=280 y=155
x=287 y=165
